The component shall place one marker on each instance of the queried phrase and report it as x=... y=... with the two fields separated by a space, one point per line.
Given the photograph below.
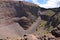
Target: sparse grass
x=51 y=28
x=49 y=12
x=44 y=32
x=42 y=23
x=57 y=17
x=41 y=30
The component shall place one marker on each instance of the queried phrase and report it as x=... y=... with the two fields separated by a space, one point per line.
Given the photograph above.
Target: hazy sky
x=46 y=3
x=12 y=0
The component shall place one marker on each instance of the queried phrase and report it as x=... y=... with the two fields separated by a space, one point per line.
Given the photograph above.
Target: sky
x=46 y=3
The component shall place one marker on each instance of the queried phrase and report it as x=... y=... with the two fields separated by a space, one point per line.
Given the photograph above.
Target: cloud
x=12 y=0
x=48 y=4
x=26 y=0
x=18 y=0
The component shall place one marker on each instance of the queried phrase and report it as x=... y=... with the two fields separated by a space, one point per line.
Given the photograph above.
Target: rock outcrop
x=56 y=31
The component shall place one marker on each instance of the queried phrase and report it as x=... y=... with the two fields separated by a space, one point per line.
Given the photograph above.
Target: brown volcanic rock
x=58 y=27
x=11 y=11
x=24 y=22
x=56 y=31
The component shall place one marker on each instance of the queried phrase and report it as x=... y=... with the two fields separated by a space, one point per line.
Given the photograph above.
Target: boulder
x=56 y=32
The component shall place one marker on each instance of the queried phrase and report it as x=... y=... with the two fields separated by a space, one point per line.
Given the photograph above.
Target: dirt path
x=33 y=27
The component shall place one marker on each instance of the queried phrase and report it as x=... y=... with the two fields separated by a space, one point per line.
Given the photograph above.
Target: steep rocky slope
x=13 y=15
x=17 y=17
